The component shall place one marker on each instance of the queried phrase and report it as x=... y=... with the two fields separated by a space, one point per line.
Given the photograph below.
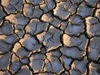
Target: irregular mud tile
x=48 y=5
x=66 y=61
x=11 y=39
x=94 y=48
x=28 y=10
x=64 y=25
x=72 y=52
x=93 y=26
x=76 y=1
x=4 y=47
x=52 y=39
x=4 y=73
x=35 y=26
x=75 y=72
x=24 y=71
x=49 y=18
x=20 y=33
x=53 y=63
x=45 y=74
x=92 y=2
x=61 y=10
x=15 y=64
x=11 y=6
x=81 y=66
x=80 y=41
x=18 y=19
x=35 y=2
x=25 y=60
x=6 y=28
x=30 y=43
x=20 y=51
x=5 y=60
x=65 y=73
x=97 y=13
x=94 y=69
x=37 y=62
x=84 y=10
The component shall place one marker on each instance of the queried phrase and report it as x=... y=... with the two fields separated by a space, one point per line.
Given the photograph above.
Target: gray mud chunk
x=12 y=6
x=30 y=11
x=81 y=66
x=37 y=62
x=36 y=26
x=76 y=1
x=49 y=18
x=61 y=10
x=5 y=60
x=75 y=72
x=51 y=39
x=6 y=28
x=72 y=52
x=35 y=2
x=20 y=33
x=92 y=2
x=94 y=69
x=66 y=61
x=64 y=25
x=52 y=64
x=18 y=20
x=20 y=51
x=80 y=41
x=93 y=26
x=4 y=47
x=25 y=60
x=30 y=43
x=48 y=5
x=84 y=10
x=24 y=71
x=94 y=48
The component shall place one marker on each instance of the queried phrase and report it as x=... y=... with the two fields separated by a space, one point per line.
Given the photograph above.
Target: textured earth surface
x=49 y=37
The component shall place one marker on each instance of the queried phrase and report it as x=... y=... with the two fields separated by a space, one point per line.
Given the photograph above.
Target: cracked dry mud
x=49 y=37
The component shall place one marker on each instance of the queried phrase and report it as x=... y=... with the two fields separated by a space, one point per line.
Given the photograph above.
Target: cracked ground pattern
x=49 y=37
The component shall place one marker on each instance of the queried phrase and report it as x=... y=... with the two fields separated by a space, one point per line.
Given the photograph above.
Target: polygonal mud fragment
x=80 y=41
x=76 y=1
x=94 y=69
x=12 y=6
x=94 y=48
x=4 y=47
x=30 y=43
x=20 y=51
x=15 y=64
x=45 y=73
x=18 y=19
x=35 y=2
x=81 y=66
x=93 y=26
x=20 y=33
x=35 y=27
x=30 y=11
x=52 y=64
x=72 y=52
x=6 y=28
x=64 y=25
x=49 y=18
x=37 y=62
x=25 y=60
x=75 y=72
x=48 y=5
x=24 y=71
x=84 y=10
x=5 y=60
x=61 y=10
x=92 y=2
x=51 y=38
x=66 y=61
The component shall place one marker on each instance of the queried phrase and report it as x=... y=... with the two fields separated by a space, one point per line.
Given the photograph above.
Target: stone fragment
x=35 y=27
x=72 y=52
x=18 y=20
x=30 y=43
x=80 y=41
x=35 y=2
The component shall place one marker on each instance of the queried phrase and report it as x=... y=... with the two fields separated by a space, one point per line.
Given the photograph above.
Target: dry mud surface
x=49 y=37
